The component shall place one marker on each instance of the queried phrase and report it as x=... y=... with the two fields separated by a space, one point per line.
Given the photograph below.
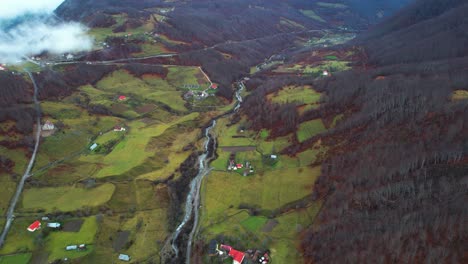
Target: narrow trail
x=19 y=189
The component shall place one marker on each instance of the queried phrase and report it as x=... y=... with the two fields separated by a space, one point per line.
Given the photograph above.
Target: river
x=192 y=203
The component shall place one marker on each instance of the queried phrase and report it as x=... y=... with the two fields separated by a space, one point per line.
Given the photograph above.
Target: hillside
x=395 y=179
x=261 y=124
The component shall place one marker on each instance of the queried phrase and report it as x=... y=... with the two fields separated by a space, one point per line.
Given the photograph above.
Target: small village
x=57 y=227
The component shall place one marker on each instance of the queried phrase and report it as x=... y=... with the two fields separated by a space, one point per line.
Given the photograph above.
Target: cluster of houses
x=247 y=167
x=198 y=95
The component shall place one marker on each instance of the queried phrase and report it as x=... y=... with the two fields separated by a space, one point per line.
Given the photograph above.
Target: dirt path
x=10 y=213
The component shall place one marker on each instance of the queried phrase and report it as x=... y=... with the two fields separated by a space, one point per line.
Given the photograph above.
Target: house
x=122 y=98
x=274 y=156
x=48 y=126
x=82 y=247
x=214 y=86
x=2 y=68
x=34 y=226
x=237 y=256
x=93 y=147
x=45 y=218
x=119 y=129
x=124 y=257
x=239 y=165
x=70 y=57
x=53 y=225
x=325 y=73
x=71 y=247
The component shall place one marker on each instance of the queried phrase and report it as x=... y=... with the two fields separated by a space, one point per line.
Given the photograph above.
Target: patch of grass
x=66 y=198
x=19 y=239
x=181 y=76
x=57 y=241
x=123 y=83
x=254 y=223
x=336 y=119
x=310 y=13
x=459 y=95
x=151 y=49
x=332 y=5
x=288 y=22
x=16 y=259
x=309 y=129
x=148 y=231
x=331 y=57
x=18 y=156
x=298 y=95
x=131 y=151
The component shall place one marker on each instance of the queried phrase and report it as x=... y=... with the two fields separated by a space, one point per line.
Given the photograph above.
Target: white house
x=93 y=147
x=48 y=126
x=124 y=257
x=53 y=225
x=71 y=247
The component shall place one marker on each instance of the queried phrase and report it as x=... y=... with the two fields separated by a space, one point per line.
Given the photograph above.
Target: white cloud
x=33 y=37
x=34 y=34
x=12 y=8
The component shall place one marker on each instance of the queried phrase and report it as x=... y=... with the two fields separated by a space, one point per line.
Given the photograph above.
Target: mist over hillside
x=28 y=30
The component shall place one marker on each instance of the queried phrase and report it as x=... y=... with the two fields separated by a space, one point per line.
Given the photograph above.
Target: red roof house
x=237 y=256
x=239 y=165
x=214 y=86
x=34 y=226
x=122 y=98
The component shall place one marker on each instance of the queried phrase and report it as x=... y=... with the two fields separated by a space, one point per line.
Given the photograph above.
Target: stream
x=192 y=203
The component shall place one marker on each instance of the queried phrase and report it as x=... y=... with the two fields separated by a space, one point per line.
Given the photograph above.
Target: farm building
x=124 y=257
x=119 y=129
x=48 y=126
x=71 y=247
x=34 y=226
x=53 y=225
x=93 y=147
x=237 y=256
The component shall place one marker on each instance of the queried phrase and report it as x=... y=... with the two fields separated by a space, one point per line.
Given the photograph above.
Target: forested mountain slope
x=395 y=181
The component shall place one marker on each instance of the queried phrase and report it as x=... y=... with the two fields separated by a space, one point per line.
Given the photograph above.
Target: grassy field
x=66 y=198
x=140 y=90
x=460 y=95
x=309 y=129
x=220 y=213
x=148 y=230
x=132 y=151
x=310 y=13
x=332 y=5
x=299 y=95
x=19 y=239
x=16 y=259
x=57 y=241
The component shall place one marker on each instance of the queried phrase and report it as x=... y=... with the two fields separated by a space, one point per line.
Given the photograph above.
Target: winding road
x=19 y=189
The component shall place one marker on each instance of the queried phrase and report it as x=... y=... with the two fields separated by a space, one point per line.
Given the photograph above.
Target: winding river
x=192 y=203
